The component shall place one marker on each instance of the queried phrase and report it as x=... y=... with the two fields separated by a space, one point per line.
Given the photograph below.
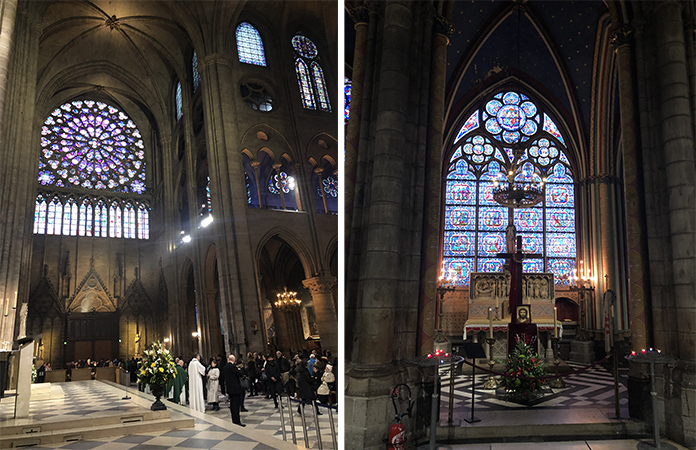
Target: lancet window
x=310 y=76
x=179 y=102
x=91 y=146
x=194 y=68
x=474 y=224
x=347 y=88
x=250 y=45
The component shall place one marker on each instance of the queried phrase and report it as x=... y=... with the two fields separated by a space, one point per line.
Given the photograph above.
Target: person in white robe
x=213 y=383
x=196 y=372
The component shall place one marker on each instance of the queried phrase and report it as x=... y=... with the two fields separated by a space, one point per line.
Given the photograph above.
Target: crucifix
x=515 y=267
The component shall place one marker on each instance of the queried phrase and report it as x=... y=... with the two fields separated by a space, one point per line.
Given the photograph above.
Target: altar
x=489 y=299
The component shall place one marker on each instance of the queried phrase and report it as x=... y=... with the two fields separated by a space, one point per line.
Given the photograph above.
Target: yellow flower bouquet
x=158 y=366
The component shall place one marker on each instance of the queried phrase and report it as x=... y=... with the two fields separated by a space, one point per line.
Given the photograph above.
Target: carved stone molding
x=443 y=26
x=319 y=285
x=621 y=37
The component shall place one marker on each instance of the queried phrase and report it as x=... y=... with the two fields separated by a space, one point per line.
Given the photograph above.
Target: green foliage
x=33 y=373
x=523 y=362
x=158 y=366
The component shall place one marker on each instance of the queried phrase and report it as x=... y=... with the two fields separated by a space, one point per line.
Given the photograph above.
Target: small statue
x=23 y=311
x=137 y=343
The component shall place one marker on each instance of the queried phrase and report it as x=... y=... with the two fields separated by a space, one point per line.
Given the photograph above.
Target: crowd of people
x=306 y=376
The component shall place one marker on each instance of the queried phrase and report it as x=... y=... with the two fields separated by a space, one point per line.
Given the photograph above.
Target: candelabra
x=491 y=382
x=447 y=282
x=583 y=284
x=557 y=382
x=521 y=187
x=287 y=301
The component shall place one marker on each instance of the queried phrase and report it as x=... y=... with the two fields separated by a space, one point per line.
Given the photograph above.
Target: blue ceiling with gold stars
x=566 y=27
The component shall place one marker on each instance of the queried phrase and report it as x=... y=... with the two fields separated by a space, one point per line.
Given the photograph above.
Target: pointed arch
x=309 y=266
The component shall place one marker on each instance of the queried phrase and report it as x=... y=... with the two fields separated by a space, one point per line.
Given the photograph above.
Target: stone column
x=327 y=319
x=633 y=187
x=8 y=8
x=678 y=144
x=19 y=156
x=240 y=303
x=210 y=324
x=433 y=187
x=361 y=17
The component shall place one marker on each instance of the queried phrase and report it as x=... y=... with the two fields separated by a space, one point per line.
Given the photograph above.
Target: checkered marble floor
x=591 y=389
x=212 y=430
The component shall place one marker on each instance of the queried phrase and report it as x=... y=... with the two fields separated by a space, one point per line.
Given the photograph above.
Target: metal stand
x=491 y=382
x=434 y=413
x=557 y=382
x=450 y=413
x=126 y=385
x=616 y=383
x=473 y=394
x=651 y=358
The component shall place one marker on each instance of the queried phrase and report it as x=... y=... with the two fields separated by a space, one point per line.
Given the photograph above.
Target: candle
x=14 y=305
x=490 y=323
x=555 y=322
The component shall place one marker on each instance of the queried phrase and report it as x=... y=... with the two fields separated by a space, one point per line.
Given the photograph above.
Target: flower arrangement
x=523 y=362
x=158 y=366
x=33 y=373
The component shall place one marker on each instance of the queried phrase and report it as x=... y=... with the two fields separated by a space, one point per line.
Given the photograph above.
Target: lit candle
x=555 y=322
x=490 y=323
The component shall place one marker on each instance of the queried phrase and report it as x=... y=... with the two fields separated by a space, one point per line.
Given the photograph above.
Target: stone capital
x=319 y=285
x=359 y=14
x=621 y=37
x=213 y=59
x=443 y=26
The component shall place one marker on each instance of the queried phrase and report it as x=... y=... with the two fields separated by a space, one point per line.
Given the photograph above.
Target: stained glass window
x=208 y=199
x=129 y=222
x=474 y=224
x=178 y=99
x=40 y=215
x=92 y=145
x=306 y=89
x=250 y=45
x=347 y=88
x=310 y=76
x=196 y=76
x=143 y=223
x=88 y=145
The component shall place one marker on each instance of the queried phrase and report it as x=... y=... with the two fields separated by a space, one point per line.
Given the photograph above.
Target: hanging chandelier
x=522 y=187
x=287 y=301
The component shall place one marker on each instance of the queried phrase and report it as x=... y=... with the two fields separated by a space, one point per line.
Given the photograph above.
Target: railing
x=314 y=404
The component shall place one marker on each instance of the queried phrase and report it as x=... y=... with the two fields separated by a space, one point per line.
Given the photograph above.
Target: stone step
x=536 y=433
x=95 y=419
x=98 y=427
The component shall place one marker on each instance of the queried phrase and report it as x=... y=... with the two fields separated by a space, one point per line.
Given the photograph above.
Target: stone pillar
x=8 y=8
x=327 y=319
x=679 y=189
x=19 y=155
x=240 y=303
x=361 y=17
x=633 y=187
x=433 y=175
x=678 y=144
x=210 y=324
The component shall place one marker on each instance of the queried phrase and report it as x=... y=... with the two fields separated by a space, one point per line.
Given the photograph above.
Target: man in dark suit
x=234 y=389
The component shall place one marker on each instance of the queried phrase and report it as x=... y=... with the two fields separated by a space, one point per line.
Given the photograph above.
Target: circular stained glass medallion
x=92 y=145
x=304 y=46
